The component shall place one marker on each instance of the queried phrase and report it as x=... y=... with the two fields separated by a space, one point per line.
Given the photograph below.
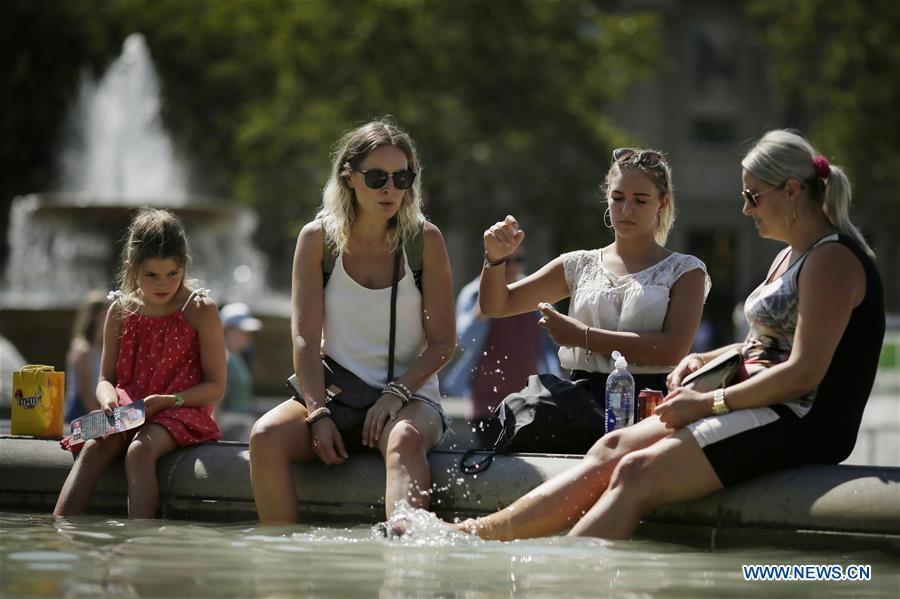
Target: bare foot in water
x=469 y=526
x=395 y=527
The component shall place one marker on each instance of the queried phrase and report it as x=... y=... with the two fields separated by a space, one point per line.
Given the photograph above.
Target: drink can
x=647 y=400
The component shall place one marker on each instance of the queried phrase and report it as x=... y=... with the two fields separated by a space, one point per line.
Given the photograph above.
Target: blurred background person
x=83 y=356
x=236 y=413
x=498 y=355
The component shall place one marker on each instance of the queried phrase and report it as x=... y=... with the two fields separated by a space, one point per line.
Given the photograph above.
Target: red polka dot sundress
x=161 y=355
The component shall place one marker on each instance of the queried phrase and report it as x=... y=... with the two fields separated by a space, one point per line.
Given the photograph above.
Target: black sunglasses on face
x=753 y=198
x=646 y=158
x=377 y=178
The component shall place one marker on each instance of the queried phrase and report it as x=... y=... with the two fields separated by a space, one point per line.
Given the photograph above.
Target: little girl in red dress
x=162 y=343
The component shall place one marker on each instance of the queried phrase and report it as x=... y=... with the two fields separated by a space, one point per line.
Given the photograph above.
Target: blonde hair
x=781 y=154
x=338 y=210
x=661 y=176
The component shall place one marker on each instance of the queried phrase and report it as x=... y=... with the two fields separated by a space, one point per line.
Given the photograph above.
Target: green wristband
x=179 y=401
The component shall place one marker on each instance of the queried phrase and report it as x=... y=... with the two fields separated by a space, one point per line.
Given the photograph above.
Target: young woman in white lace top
x=634 y=295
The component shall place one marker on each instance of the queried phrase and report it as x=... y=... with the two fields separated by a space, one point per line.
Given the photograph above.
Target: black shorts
x=747 y=443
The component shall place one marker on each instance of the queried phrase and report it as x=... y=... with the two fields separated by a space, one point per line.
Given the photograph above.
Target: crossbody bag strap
x=397 y=257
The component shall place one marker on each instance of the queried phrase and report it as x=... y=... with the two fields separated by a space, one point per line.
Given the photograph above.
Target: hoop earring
x=789 y=220
x=607 y=219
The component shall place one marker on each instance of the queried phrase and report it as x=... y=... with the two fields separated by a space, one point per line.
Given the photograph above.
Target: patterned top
x=771 y=310
x=635 y=302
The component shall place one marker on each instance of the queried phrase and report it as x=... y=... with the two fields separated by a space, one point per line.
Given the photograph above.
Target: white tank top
x=356 y=331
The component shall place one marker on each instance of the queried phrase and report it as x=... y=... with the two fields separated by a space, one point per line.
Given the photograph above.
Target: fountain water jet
x=120 y=158
x=120 y=150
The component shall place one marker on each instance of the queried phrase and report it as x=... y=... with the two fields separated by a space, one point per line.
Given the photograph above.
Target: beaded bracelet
x=317 y=415
x=399 y=390
x=488 y=263
x=588 y=354
x=402 y=388
x=396 y=393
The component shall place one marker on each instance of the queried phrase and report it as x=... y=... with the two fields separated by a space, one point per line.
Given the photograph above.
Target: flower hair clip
x=823 y=169
x=200 y=295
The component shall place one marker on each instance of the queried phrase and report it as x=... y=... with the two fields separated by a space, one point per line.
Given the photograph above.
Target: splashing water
x=419 y=528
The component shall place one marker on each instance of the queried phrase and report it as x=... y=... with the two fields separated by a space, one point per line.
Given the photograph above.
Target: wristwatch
x=719 y=405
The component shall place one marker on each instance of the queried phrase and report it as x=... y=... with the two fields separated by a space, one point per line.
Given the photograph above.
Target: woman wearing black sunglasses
x=817 y=325
x=371 y=208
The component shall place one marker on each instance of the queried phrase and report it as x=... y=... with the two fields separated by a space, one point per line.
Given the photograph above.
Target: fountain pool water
x=96 y=556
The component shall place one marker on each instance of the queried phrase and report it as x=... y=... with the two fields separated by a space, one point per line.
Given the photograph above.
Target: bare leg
x=279 y=437
x=563 y=500
x=92 y=461
x=151 y=443
x=404 y=443
x=673 y=469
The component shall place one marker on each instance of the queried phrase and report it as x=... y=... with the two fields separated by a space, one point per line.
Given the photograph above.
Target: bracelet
x=402 y=388
x=179 y=401
x=317 y=415
x=488 y=263
x=398 y=390
x=588 y=354
x=396 y=393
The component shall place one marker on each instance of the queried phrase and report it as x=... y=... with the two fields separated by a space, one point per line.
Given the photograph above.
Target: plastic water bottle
x=619 y=395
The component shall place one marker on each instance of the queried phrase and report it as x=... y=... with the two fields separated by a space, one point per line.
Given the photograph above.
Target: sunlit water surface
x=91 y=556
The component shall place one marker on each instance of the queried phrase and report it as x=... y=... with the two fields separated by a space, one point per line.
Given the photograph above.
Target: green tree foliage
x=836 y=68
x=45 y=45
x=506 y=98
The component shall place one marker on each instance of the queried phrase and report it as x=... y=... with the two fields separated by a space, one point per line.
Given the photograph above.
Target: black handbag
x=346 y=395
x=550 y=415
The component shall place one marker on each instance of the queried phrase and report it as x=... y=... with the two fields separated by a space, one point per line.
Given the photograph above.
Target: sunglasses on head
x=377 y=178
x=645 y=158
x=753 y=198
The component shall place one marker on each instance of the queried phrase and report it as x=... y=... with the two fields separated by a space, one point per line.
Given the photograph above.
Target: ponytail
x=781 y=155
x=836 y=205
